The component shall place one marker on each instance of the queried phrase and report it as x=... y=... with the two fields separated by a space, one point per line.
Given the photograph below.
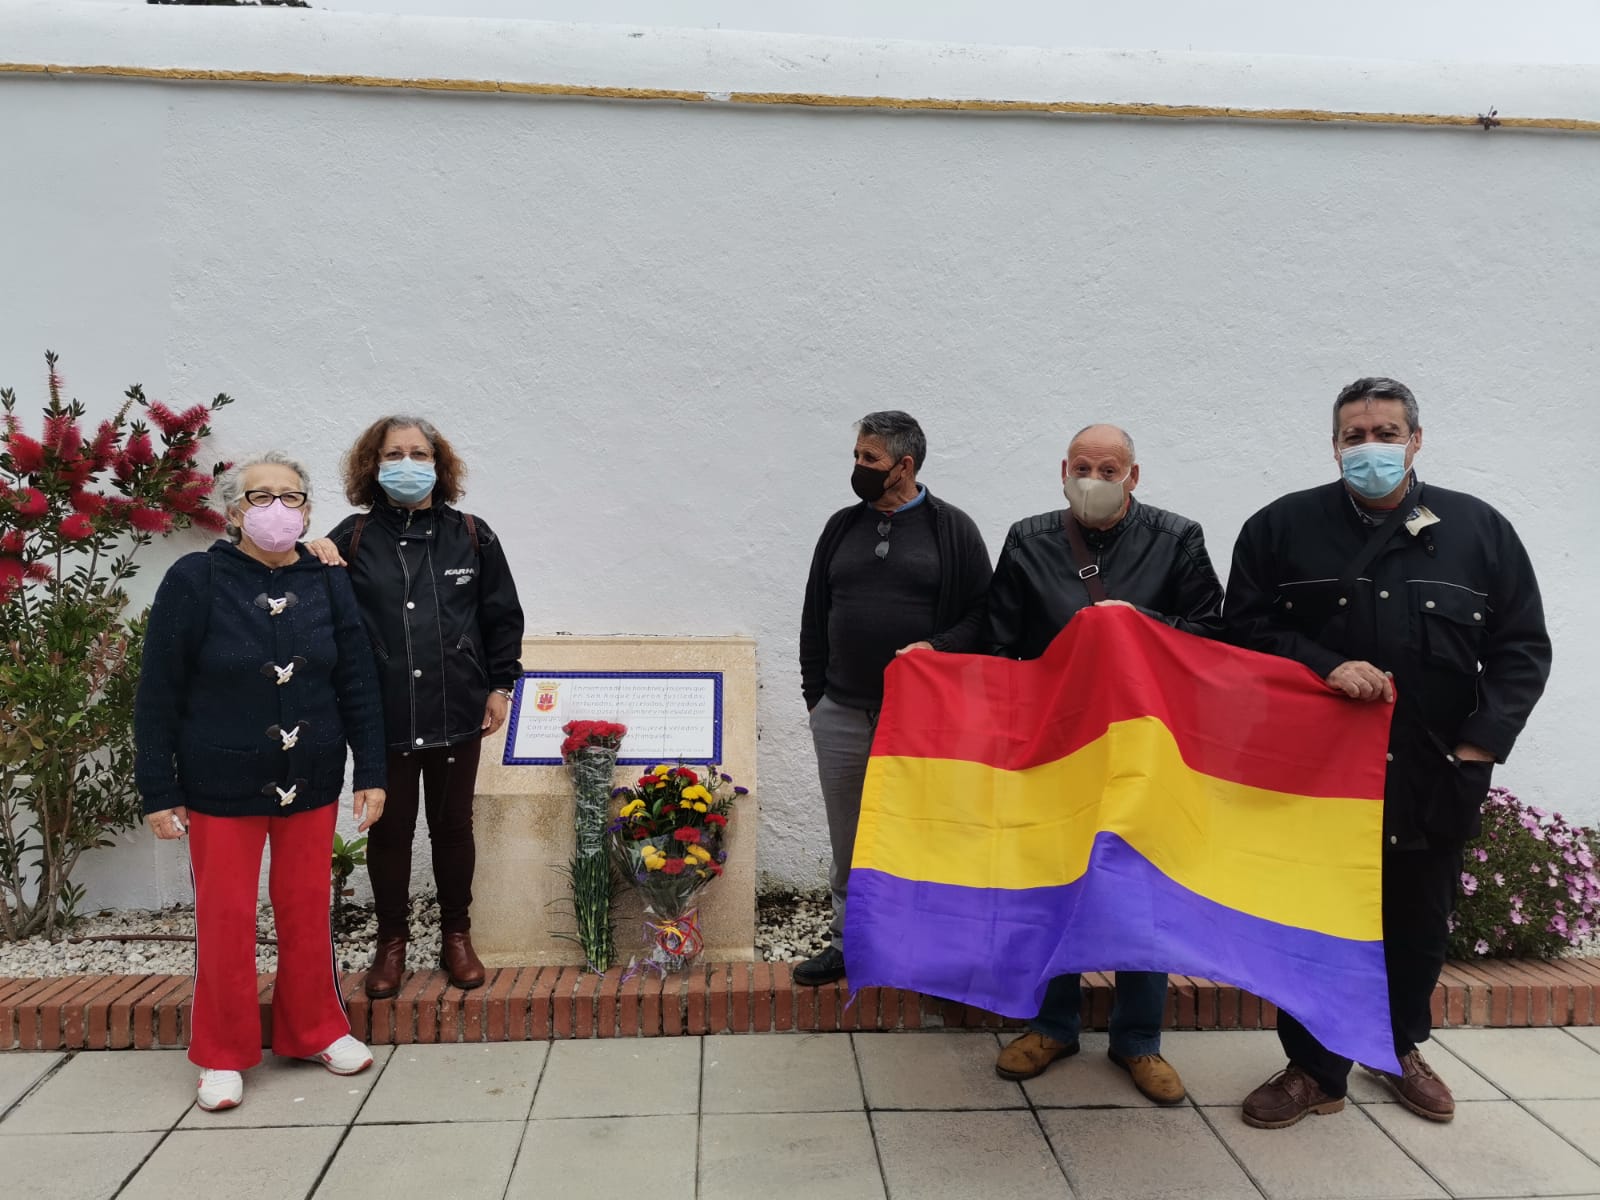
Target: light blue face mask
x=406 y=482
x=1374 y=469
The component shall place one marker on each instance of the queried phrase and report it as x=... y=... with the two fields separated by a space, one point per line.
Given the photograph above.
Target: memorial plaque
x=670 y=715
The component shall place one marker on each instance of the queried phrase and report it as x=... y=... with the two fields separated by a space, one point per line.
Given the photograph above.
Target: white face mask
x=1095 y=501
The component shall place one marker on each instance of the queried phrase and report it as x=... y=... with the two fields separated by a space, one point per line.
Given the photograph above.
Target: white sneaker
x=345 y=1057
x=220 y=1090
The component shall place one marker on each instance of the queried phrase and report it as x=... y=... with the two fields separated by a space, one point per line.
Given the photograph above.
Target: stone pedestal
x=523 y=815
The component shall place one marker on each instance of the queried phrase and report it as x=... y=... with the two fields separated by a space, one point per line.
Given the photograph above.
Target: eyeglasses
x=401 y=456
x=882 y=549
x=260 y=498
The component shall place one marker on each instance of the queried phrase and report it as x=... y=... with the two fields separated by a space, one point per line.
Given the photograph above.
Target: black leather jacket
x=1452 y=611
x=443 y=616
x=1153 y=559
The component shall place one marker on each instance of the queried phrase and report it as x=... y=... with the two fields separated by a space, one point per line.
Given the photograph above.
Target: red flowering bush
x=75 y=508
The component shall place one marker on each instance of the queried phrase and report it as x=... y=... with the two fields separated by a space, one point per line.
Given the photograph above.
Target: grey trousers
x=843 y=740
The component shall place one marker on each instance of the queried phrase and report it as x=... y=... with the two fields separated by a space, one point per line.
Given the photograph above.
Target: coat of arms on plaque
x=544 y=696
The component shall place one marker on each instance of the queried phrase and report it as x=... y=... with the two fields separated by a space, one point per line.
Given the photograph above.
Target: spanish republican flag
x=1137 y=799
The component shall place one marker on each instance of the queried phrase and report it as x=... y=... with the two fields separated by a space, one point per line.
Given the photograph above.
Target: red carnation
x=27 y=455
x=685 y=773
x=77 y=527
x=716 y=819
x=89 y=503
x=673 y=866
x=39 y=572
x=31 y=502
x=640 y=834
x=687 y=835
x=149 y=520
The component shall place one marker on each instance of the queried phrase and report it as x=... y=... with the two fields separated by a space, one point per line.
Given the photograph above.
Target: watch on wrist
x=507 y=693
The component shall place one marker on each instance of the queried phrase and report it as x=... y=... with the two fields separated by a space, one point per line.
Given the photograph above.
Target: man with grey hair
x=1402 y=593
x=901 y=570
x=1105 y=548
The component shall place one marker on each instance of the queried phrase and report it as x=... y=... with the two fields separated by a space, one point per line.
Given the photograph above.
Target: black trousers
x=443 y=779
x=1419 y=894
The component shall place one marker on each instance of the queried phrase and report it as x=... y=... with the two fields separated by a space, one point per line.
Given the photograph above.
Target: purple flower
x=615 y=792
x=726 y=778
x=1481 y=948
x=1499 y=879
x=1469 y=884
x=722 y=856
x=1481 y=854
x=741 y=791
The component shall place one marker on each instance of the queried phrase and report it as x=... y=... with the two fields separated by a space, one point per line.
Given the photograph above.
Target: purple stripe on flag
x=998 y=949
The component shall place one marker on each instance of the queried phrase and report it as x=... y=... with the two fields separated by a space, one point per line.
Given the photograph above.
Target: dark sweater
x=210 y=710
x=879 y=604
x=960 y=622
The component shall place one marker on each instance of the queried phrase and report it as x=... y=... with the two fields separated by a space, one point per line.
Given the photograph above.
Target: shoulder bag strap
x=472 y=532
x=355 y=536
x=1090 y=571
x=1379 y=538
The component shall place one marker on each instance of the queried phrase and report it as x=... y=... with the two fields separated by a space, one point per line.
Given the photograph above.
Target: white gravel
x=789 y=927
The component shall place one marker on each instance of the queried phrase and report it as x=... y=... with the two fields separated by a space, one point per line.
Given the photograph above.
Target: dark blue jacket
x=214 y=729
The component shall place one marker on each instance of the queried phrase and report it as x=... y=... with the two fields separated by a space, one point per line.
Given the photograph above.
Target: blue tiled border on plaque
x=516 y=708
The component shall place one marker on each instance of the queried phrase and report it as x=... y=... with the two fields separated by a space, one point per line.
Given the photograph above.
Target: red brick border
x=118 y=1012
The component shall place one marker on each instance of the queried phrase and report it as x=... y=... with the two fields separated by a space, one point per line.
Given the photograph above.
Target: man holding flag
x=1106 y=549
x=1401 y=593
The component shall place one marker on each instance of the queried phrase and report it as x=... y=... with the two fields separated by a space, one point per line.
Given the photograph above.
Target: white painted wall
x=650 y=327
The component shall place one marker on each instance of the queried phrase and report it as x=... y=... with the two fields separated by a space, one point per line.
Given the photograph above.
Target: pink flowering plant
x=1529 y=884
x=77 y=503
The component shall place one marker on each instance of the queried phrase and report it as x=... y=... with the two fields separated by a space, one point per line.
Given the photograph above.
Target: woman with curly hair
x=441 y=608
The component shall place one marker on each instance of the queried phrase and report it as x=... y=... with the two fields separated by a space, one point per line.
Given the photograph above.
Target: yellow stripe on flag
x=1296 y=860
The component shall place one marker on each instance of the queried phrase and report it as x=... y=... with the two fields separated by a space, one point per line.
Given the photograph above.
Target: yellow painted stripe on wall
x=1312 y=863
x=1083 y=108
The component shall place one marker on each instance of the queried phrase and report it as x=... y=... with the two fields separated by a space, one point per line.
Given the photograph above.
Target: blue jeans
x=1136 y=1012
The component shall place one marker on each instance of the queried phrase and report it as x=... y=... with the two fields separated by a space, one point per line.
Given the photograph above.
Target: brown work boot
x=1419 y=1089
x=1030 y=1054
x=1286 y=1098
x=1152 y=1075
x=388 y=965
x=459 y=962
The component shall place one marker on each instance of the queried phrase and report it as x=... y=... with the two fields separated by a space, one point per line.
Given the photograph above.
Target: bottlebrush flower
x=104 y=446
x=11 y=572
x=167 y=421
x=77 y=472
x=27 y=455
x=191 y=419
x=12 y=541
x=39 y=572
x=77 y=527
x=62 y=435
x=31 y=502
x=89 y=503
x=139 y=451
x=211 y=520
x=149 y=520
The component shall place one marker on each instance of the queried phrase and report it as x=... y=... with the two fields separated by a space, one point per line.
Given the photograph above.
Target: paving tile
x=109 y=1093
x=1465 y=1083
x=72 y=1166
x=241 y=1164
x=1576 y=1120
x=288 y=1092
x=1345 y=1156
x=781 y=1072
x=1589 y=1035
x=1138 y=1153
x=955 y=1156
x=456 y=1082
x=1528 y=1064
x=1492 y=1148
x=19 y=1071
x=620 y=1077
x=1086 y=1080
x=464 y=1161
x=821 y=1156
x=933 y=1071
x=582 y=1158
x=1222 y=1067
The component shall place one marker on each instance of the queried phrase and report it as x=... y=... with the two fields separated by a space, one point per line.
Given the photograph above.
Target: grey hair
x=1377 y=387
x=900 y=434
x=231 y=489
x=1127 y=438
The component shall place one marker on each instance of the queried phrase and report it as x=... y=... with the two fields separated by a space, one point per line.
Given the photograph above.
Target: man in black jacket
x=1396 y=592
x=899 y=571
x=1107 y=548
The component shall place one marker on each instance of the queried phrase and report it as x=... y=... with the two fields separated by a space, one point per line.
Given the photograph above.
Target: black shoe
x=824 y=968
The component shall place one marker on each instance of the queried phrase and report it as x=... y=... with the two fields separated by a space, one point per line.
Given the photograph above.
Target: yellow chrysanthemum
x=701 y=808
x=696 y=792
x=663 y=769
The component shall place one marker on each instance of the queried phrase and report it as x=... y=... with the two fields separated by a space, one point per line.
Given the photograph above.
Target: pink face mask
x=276 y=527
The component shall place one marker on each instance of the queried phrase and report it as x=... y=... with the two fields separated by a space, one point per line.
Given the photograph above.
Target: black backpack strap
x=355 y=536
x=1379 y=538
x=1089 y=570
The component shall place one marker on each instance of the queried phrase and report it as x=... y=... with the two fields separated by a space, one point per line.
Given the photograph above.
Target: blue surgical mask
x=1374 y=469
x=406 y=482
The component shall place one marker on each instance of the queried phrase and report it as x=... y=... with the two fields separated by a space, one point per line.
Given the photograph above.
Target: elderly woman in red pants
x=257 y=675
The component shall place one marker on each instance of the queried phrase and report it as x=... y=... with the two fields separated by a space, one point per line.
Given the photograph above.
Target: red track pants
x=308 y=1013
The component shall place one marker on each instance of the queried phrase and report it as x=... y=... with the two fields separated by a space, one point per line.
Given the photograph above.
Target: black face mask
x=870 y=483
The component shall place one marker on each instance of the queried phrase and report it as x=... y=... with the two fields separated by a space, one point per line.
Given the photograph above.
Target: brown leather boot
x=1286 y=1098
x=1152 y=1075
x=1030 y=1054
x=456 y=956
x=388 y=965
x=1419 y=1089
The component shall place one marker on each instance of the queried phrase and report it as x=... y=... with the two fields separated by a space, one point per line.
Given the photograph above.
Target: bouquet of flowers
x=590 y=749
x=669 y=841
x=1530 y=884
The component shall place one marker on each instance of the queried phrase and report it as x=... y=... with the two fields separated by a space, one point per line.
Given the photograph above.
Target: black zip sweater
x=443 y=616
x=214 y=729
